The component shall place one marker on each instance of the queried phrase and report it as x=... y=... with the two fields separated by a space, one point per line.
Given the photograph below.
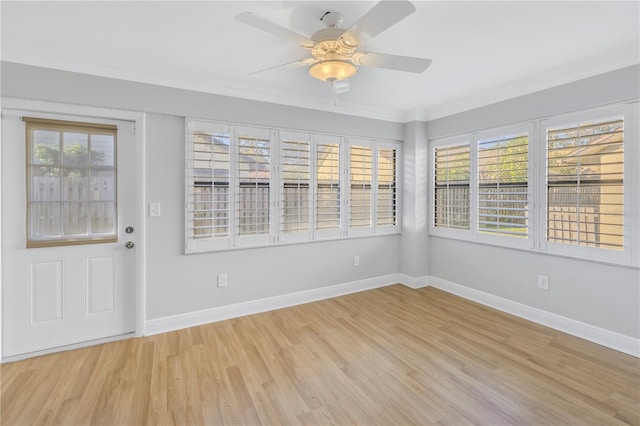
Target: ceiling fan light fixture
x=332 y=70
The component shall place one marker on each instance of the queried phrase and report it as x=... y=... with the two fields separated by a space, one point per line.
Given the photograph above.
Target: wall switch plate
x=222 y=280
x=543 y=282
x=356 y=260
x=154 y=209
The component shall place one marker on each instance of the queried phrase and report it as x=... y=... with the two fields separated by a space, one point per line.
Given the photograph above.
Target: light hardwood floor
x=387 y=356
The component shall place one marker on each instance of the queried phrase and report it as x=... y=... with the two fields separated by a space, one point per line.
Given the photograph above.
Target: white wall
x=177 y=283
x=414 y=219
x=602 y=295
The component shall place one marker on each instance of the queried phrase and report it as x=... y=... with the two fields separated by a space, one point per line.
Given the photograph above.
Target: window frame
x=457 y=233
x=366 y=144
x=281 y=235
x=193 y=244
x=330 y=233
x=276 y=235
x=508 y=241
x=537 y=188
x=258 y=133
x=395 y=228
x=630 y=150
x=33 y=124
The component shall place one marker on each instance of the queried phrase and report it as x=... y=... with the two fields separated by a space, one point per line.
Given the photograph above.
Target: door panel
x=101 y=283
x=45 y=291
x=67 y=294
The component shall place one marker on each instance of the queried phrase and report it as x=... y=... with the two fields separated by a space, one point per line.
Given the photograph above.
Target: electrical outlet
x=356 y=260
x=222 y=280
x=543 y=282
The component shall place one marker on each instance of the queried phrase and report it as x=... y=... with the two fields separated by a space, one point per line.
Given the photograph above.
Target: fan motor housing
x=332 y=19
x=327 y=34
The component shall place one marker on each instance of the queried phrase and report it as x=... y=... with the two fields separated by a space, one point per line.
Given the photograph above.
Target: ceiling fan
x=334 y=51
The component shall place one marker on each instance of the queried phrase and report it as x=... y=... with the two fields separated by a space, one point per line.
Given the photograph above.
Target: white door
x=68 y=259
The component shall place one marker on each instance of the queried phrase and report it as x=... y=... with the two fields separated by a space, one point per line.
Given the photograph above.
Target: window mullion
x=313 y=185
x=374 y=187
x=473 y=186
x=345 y=187
x=234 y=186
x=276 y=180
x=533 y=198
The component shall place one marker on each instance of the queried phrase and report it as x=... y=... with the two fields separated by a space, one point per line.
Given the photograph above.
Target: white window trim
x=462 y=234
x=253 y=240
x=280 y=235
x=388 y=229
x=536 y=242
x=194 y=245
x=516 y=242
x=326 y=234
x=359 y=231
x=276 y=236
x=630 y=197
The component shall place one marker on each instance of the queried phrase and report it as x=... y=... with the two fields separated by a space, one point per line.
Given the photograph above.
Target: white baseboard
x=610 y=339
x=191 y=319
x=414 y=282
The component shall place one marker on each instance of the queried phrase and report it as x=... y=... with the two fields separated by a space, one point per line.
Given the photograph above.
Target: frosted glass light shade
x=332 y=70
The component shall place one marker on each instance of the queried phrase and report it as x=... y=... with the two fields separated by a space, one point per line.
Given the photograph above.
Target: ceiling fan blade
x=392 y=62
x=383 y=15
x=273 y=28
x=299 y=62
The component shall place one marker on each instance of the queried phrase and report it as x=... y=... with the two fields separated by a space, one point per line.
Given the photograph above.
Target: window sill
x=289 y=243
x=534 y=250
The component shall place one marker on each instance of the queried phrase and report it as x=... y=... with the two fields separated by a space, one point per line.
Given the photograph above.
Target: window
x=328 y=194
x=481 y=188
x=251 y=187
x=209 y=197
x=295 y=219
x=372 y=187
x=360 y=185
x=560 y=185
x=503 y=175
x=585 y=183
x=387 y=178
x=71 y=182
x=451 y=190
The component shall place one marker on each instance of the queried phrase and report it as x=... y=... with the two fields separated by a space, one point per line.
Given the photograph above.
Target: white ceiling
x=482 y=52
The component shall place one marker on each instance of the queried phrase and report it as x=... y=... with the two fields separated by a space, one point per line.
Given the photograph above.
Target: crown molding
x=197 y=83
x=625 y=56
x=609 y=61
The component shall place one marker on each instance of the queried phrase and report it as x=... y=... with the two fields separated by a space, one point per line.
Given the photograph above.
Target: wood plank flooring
x=387 y=356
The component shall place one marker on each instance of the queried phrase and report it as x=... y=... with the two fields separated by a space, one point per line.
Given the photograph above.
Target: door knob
x=129 y=244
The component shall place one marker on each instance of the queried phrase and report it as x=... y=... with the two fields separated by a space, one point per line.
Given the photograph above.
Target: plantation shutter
x=253 y=188
x=503 y=169
x=451 y=186
x=327 y=201
x=295 y=180
x=585 y=199
x=209 y=168
x=360 y=188
x=386 y=196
